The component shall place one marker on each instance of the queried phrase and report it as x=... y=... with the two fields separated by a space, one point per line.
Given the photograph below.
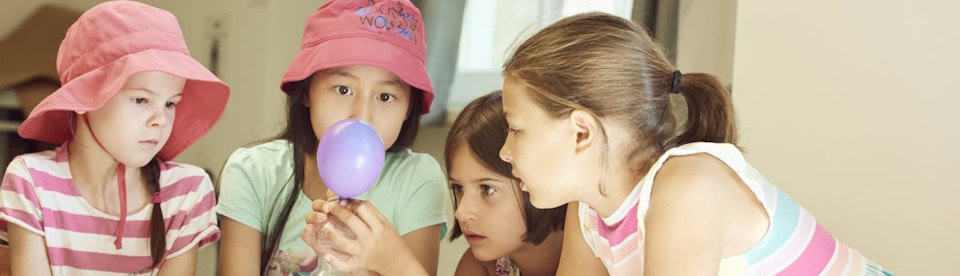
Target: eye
x=487 y=189
x=386 y=97
x=456 y=189
x=343 y=90
x=171 y=105
x=140 y=100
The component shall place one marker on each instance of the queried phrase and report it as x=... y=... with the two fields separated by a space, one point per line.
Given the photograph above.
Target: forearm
x=406 y=264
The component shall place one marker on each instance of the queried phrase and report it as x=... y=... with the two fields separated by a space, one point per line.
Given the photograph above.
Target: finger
x=316 y=204
x=309 y=236
x=339 y=264
x=321 y=205
x=353 y=222
x=333 y=197
x=369 y=214
x=342 y=243
x=316 y=218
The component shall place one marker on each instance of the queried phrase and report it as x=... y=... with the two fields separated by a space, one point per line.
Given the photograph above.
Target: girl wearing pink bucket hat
x=361 y=59
x=131 y=99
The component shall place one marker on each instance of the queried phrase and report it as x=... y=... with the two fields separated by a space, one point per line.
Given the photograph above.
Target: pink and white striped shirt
x=795 y=243
x=38 y=194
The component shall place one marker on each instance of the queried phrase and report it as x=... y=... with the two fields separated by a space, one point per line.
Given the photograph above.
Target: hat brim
x=360 y=50
x=204 y=99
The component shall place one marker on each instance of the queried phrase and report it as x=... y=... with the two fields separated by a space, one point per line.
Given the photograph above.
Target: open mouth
x=473 y=238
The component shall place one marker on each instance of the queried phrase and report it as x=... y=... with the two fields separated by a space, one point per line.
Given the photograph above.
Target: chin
x=545 y=203
x=485 y=255
x=137 y=161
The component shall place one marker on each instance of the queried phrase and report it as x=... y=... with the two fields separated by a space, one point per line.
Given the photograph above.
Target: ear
x=586 y=129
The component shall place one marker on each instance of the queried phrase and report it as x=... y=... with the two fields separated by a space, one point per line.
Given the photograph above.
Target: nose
x=466 y=210
x=159 y=117
x=362 y=110
x=506 y=153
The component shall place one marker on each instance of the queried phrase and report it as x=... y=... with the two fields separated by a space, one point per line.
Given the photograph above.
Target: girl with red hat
x=109 y=200
x=363 y=60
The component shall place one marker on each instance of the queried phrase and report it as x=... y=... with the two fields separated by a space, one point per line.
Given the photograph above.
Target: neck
x=91 y=167
x=618 y=182
x=541 y=259
x=313 y=186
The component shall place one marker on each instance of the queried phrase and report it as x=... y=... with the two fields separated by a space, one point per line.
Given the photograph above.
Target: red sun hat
x=106 y=46
x=385 y=33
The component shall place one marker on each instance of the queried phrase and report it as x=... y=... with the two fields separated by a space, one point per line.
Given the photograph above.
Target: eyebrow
x=154 y=92
x=485 y=179
x=342 y=73
x=391 y=82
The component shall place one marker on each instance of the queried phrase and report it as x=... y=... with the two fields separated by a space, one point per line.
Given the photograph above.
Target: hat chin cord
x=122 y=186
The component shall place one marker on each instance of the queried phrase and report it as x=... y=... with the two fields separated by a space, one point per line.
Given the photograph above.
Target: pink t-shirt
x=38 y=194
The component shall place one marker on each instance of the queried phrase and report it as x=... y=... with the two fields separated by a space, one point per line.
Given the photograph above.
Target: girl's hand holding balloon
x=376 y=245
x=351 y=235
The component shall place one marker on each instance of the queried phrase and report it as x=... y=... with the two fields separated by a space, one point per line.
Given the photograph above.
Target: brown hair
x=611 y=68
x=299 y=132
x=158 y=235
x=483 y=127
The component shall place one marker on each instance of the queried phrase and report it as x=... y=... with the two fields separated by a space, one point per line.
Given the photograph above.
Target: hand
x=376 y=246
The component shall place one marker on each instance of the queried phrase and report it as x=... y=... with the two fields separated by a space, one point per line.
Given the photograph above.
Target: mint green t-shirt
x=257 y=180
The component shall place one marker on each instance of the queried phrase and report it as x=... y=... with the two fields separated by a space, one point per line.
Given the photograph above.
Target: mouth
x=473 y=238
x=149 y=142
x=523 y=185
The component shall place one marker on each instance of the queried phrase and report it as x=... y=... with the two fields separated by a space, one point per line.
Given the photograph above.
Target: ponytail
x=158 y=235
x=710 y=116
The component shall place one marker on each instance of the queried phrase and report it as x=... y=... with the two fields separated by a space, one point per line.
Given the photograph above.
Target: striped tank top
x=38 y=194
x=795 y=243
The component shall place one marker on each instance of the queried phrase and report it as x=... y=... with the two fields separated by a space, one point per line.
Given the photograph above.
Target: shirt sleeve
x=422 y=197
x=196 y=219
x=19 y=203
x=242 y=190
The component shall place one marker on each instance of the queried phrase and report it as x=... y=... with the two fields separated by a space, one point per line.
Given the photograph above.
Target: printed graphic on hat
x=389 y=17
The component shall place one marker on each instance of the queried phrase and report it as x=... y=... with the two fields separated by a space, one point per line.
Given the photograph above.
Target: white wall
x=851 y=107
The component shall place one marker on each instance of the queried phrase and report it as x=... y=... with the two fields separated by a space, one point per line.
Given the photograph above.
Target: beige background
x=850 y=107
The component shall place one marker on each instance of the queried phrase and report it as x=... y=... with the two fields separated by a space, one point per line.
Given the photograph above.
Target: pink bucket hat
x=103 y=49
x=385 y=33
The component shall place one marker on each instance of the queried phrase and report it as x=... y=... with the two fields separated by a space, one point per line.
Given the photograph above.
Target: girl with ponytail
x=587 y=101
x=109 y=200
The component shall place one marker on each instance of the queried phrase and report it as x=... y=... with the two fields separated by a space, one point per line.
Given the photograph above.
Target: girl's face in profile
x=488 y=207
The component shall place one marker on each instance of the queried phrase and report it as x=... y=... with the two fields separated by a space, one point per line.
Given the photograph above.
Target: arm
x=576 y=258
x=243 y=192
x=28 y=252
x=185 y=264
x=425 y=247
x=240 y=248
x=5 y=259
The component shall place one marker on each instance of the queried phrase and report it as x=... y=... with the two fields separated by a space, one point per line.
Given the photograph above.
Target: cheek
x=532 y=148
x=509 y=225
x=322 y=117
x=388 y=124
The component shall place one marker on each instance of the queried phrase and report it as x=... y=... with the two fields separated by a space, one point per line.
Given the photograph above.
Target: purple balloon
x=350 y=157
